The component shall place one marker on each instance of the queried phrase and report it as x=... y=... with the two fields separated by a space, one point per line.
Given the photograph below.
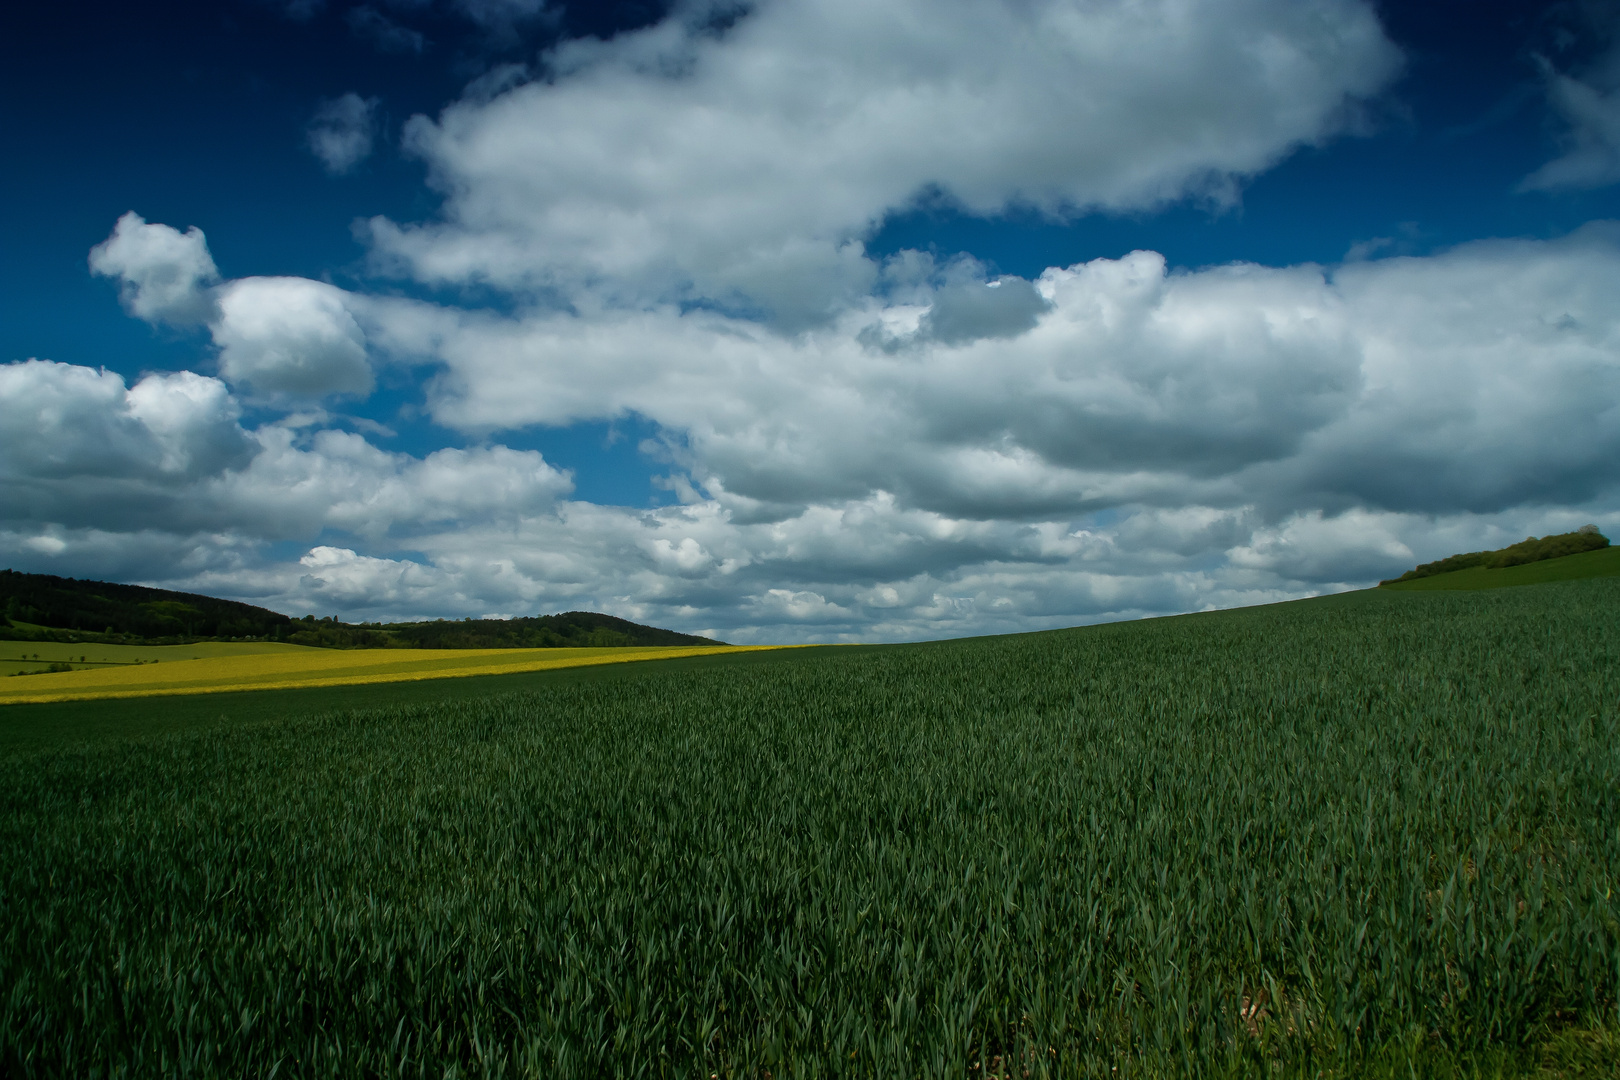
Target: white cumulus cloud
x=290 y=335
x=164 y=275
x=1477 y=379
x=77 y=424
x=169 y=455
x=1353 y=546
x=340 y=576
x=746 y=166
x=464 y=532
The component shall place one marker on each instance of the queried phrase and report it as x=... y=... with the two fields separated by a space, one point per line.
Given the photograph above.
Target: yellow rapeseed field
x=33 y=656
x=321 y=667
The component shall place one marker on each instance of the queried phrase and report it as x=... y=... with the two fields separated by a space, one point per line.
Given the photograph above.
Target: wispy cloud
x=383 y=32
x=1592 y=116
x=340 y=134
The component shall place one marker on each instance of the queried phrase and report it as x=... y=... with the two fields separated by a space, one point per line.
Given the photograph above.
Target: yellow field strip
x=323 y=667
x=46 y=651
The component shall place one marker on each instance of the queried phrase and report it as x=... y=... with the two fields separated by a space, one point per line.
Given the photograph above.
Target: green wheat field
x=1372 y=834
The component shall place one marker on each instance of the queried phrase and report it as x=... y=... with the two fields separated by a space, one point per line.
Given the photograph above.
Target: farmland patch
x=1376 y=831
x=188 y=669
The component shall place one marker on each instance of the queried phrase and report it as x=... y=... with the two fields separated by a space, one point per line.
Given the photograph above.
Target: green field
x=1368 y=834
x=1604 y=562
x=231 y=668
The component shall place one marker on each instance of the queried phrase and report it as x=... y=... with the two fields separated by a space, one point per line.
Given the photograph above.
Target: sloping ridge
x=569 y=629
x=104 y=607
x=1565 y=557
x=47 y=607
x=1530 y=550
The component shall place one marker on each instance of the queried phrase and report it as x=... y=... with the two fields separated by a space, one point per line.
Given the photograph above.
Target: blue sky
x=803 y=321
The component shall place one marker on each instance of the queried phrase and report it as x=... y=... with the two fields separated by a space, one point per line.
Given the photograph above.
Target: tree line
x=1529 y=550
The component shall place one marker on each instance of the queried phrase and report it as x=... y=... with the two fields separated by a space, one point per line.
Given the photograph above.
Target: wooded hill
x=42 y=607
x=570 y=629
x=1586 y=538
x=104 y=611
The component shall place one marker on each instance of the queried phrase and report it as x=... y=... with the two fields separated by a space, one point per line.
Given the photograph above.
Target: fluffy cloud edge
x=743 y=169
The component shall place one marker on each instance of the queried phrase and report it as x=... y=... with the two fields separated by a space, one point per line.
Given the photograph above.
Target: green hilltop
x=1584 y=553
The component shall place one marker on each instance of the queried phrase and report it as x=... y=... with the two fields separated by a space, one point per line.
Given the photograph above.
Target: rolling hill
x=1603 y=562
x=1531 y=550
x=43 y=607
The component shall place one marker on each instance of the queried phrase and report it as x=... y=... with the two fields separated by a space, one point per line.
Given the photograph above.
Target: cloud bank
x=1151 y=441
x=1474 y=380
x=673 y=225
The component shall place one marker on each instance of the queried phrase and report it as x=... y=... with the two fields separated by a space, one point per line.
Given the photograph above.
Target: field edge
x=639 y=654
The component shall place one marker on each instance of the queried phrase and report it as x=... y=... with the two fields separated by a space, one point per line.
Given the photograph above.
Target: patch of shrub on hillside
x=1529 y=550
